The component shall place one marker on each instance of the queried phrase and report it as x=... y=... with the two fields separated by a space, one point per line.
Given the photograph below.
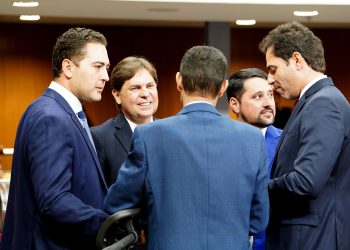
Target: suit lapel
x=122 y=131
x=272 y=133
x=53 y=94
x=293 y=115
x=297 y=109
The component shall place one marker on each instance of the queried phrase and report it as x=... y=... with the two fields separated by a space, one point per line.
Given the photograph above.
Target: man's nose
x=266 y=102
x=144 y=91
x=105 y=75
x=270 y=79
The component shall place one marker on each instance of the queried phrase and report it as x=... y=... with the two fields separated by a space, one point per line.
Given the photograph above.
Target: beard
x=258 y=122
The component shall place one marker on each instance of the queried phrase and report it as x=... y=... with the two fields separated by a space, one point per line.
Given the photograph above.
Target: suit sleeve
x=51 y=164
x=127 y=191
x=321 y=135
x=259 y=213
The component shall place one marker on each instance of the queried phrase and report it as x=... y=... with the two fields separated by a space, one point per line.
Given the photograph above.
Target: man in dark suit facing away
x=200 y=177
x=57 y=185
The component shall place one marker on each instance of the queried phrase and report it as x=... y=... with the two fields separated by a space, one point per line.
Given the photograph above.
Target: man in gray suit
x=134 y=88
x=201 y=177
x=310 y=176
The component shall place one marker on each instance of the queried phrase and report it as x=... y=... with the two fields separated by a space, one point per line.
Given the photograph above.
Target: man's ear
x=235 y=105
x=116 y=96
x=223 y=88
x=67 y=66
x=298 y=59
x=179 y=85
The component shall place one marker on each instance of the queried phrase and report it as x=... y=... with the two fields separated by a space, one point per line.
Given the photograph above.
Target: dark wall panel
x=25 y=64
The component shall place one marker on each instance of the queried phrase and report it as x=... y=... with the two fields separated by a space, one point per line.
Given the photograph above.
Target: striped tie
x=85 y=124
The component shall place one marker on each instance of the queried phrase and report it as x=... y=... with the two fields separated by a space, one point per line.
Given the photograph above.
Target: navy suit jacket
x=272 y=136
x=310 y=177
x=57 y=186
x=202 y=178
x=112 y=141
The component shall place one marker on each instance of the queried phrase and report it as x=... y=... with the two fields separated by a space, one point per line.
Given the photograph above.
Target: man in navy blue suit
x=310 y=175
x=201 y=177
x=57 y=186
x=251 y=98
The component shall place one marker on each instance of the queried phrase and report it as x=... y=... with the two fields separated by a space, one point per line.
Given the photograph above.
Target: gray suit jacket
x=112 y=141
x=309 y=190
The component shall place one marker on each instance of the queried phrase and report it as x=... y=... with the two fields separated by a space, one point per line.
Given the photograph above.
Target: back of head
x=203 y=70
x=236 y=81
x=295 y=37
x=71 y=45
x=127 y=68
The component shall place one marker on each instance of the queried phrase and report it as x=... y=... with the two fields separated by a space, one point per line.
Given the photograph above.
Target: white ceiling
x=175 y=13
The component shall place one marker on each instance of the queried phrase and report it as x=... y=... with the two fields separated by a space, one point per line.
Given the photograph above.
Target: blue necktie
x=85 y=124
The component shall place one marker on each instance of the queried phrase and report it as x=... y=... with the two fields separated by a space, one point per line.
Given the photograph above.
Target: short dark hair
x=72 y=45
x=127 y=68
x=203 y=70
x=294 y=37
x=236 y=81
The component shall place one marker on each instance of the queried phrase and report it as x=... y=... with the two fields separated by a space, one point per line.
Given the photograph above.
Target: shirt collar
x=263 y=131
x=189 y=103
x=307 y=86
x=132 y=124
x=72 y=100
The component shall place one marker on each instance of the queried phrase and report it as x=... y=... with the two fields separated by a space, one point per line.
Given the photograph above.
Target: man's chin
x=145 y=110
x=146 y=114
x=282 y=93
x=285 y=95
x=95 y=98
x=263 y=123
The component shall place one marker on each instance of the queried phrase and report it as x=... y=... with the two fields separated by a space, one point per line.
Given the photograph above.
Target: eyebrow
x=258 y=92
x=141 y=83
x=100 y=62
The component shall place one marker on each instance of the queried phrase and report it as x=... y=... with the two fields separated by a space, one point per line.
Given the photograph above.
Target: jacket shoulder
x=105 y=126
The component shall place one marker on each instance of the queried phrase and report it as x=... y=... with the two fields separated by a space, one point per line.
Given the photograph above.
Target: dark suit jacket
x=309 y=190
x=112 y=141
x=202 y=176
x=57 y=186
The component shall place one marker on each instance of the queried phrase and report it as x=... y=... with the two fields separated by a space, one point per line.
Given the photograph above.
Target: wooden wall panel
x=336 y=44
x=245 y=53
x=25 y=68
x=164 y=47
